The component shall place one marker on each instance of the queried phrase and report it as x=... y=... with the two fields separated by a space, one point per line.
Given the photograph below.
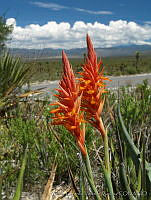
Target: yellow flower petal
x=90 y=91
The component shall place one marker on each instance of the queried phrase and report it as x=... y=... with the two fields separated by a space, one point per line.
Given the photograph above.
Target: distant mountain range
x=79 y=52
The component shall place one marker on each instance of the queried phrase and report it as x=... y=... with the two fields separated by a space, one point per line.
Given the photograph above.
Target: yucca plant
x=13 y=74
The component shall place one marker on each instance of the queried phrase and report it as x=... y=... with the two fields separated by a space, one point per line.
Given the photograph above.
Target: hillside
x=79 y=52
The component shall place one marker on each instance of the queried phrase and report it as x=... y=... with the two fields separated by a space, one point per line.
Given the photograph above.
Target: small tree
x=137 y=57
x=5 y=31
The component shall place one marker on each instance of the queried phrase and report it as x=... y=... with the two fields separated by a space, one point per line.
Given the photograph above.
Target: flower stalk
x=89 y=175
x=107 y=169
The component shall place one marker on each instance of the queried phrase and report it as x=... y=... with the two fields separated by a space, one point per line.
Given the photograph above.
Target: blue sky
x=32 y=11
x=39 y=22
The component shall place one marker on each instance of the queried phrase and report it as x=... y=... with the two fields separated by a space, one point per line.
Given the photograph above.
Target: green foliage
x=135 y=161
x=5 y=31
x=19 y=187
x=136 y=107
x=114 y=66
x=13 y=74
x=19 y=131
x=50 y=70
x=29 y=123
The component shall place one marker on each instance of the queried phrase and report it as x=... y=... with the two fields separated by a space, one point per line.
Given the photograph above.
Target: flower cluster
x=68 y=105
x=74 y=98
x=92 y=86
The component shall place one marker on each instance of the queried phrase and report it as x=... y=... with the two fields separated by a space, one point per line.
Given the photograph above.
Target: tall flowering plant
x=84 y=96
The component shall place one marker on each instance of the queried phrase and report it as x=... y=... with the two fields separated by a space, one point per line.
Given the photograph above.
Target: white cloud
x=147 y=22
x=94 y=12
x=63 y=35
x=11 y=21
x=52 y=6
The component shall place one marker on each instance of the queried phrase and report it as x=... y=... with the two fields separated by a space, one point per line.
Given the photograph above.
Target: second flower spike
x=92 y=86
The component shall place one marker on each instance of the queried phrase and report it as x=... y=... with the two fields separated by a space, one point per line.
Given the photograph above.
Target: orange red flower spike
x=67 y=112
x=92 y=86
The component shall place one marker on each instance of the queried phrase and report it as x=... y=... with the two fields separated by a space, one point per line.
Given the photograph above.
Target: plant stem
x=106 y=169
x=82 y=186
x=90 y=176
x=106 y=152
